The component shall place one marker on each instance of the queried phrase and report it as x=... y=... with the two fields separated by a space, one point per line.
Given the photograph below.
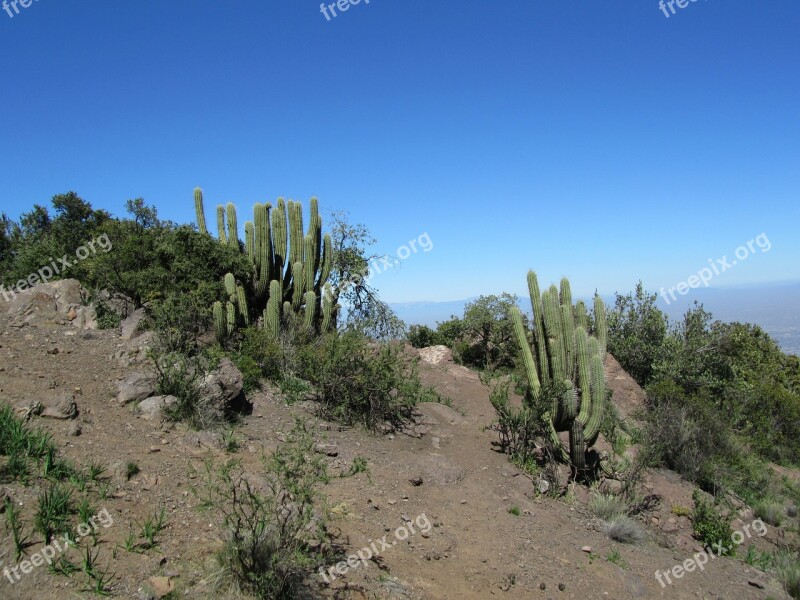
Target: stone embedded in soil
x=327 y=449
x=61 y=407
x=135 y=388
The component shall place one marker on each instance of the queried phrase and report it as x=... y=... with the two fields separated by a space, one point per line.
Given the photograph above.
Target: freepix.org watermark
x=8 y=5
x=342 y=5
x=376 y=547
x=700 y=559
x=716 y=267
x=56 y=267
x=664 y=4
x=383 y=263
x=48 y=553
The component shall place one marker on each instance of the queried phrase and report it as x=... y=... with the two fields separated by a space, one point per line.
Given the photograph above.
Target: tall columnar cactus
x=559 y=353
x=221 y=224
x=290 y=264
x=220 y=323
x=200 y=210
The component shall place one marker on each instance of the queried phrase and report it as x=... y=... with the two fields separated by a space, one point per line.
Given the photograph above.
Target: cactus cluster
x=561 y=353
x=290 y=269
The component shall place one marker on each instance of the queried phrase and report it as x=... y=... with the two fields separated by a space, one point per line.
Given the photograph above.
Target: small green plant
x=268 y=528
x=53 y=511
x=230 y=441
x=681 y=511
x=131 y=469
x=63 y=566
x=770 y=512
x=710 y=527
x=131 y=542
x=98 y=580
x=95 y=471
x=16 y=526
x=608 y=506
x=150 y=528
x=759 y=559
x=359 y=466
x=615 y=557
x=514 y=510
x=104 y=490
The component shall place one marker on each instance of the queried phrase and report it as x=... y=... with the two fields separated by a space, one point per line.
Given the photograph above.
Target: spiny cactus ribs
x=290 y=270
x=558 y=351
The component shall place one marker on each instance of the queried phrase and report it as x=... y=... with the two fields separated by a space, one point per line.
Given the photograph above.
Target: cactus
x=221 y=224
x=287 y=263
x=562 y=351
x=231 y=316
x=233 y=225
x=272 y=313
x=220 y=324
x=199 y=210
x=310 y=315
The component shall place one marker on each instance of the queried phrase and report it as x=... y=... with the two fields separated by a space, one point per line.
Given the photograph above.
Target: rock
x=627 y=395
x=326 y=449
x=223 y=387
x=542 y=486
x=756 y=584
x=61 y=407
x=74 y=430
x=415 y=481
x=439 y=471
x=587 y=549
x=135 y=388
x=205 y=439
x=162 y=586
x=436 y=355
x=151 y=409
x=131 y=326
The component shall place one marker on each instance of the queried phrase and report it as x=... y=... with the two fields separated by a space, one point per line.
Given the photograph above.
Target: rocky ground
x=442 y=479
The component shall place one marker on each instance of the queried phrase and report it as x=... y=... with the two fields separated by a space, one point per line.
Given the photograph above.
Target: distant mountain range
x=775 y=307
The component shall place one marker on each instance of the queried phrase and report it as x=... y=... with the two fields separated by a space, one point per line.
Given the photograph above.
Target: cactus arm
x=200 y=210
x=527 y=356
x=221 y=224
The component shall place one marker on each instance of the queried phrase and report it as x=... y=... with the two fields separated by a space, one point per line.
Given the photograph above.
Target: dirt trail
x=475 y=548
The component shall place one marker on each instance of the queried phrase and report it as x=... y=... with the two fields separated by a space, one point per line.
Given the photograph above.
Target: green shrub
x=422 y=336
x=357 y=381
x=709 y=526
x=269 y=525
x=769 y=512
x=608 y=506
x=787 y=568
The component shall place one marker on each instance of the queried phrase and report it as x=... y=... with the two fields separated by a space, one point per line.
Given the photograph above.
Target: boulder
x=135 y=388
x=59 y=302
x=627 y=395
x=131 y=327
x=436 y=355
x=152 y=408
x=60 y=407
x=224 y=386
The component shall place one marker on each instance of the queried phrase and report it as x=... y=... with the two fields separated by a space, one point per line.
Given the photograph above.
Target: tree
x=636 y=333
x=145 y=217
x=486 y=333
x=350 y=281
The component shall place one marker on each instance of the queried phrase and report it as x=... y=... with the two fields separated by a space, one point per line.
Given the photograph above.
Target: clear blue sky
x=599 y=140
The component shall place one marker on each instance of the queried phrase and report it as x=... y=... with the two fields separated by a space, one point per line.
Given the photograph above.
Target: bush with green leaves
x=272 y=525
x=710 y=526
x=422 y=336
x=636 y=332
x=355 y=380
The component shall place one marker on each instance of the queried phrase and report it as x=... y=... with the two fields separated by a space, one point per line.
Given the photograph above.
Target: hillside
x=483 y=529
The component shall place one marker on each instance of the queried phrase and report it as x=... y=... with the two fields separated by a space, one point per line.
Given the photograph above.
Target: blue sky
x=598 y=140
